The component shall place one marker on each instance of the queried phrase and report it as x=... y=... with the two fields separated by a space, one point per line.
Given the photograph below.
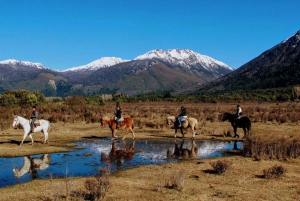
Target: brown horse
x=117 y=155
x=189 y=122
x=127 y=124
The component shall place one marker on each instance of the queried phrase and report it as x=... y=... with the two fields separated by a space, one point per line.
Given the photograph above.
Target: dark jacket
x=118 y=113
x=183 y=112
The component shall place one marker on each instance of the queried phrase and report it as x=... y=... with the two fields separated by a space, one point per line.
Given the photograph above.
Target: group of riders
x=118 y=115
x=180 y=118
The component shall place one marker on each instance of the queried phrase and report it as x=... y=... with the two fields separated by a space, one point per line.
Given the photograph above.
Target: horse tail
x=196 y=124
x=48 y=125
x=249 y=125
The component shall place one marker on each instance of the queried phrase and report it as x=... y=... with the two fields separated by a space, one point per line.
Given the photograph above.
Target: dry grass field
x=273 y=142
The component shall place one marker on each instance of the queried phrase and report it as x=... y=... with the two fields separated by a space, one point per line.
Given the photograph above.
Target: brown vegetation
x=274 y=141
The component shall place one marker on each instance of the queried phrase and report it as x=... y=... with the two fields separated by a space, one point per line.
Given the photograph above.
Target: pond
x=98 y=153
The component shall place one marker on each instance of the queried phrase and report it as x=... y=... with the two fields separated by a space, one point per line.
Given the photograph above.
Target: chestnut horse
x=127 y=124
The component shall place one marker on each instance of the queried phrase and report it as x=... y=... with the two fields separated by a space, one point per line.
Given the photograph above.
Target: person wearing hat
x=182 y=116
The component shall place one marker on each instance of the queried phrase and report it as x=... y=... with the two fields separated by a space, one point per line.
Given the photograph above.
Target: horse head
x=170 y=120
x=225 y=116
x=103 y=121
x=16 y=122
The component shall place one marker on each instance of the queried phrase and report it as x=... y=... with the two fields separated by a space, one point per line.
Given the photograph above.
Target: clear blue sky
x=67 y=33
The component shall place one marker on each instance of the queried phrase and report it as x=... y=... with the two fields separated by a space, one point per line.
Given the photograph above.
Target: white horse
x=31 y=165
x=44 y=127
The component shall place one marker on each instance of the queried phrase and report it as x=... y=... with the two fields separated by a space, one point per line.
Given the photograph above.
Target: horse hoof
x=112 y=139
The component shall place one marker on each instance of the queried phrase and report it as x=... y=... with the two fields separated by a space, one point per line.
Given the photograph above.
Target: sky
x=62 y=34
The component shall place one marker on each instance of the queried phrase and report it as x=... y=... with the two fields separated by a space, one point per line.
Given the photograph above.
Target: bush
x=220 y=166
x=176 y=181
x=274 y=172
x=98 y=186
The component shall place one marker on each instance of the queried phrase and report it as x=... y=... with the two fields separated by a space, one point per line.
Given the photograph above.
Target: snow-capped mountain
x=185 y=57
x=99 y=63
x=15 y=63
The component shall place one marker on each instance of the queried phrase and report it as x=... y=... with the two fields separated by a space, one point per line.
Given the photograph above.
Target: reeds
x=266 y=147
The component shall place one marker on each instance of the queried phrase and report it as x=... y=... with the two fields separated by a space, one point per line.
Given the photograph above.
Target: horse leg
x=31 y=139
x=131 y=129
x=175 y=132
x=126 y=131
x=235 y=134
x=24 y=136
x=245 y=132
x=194 y=133
x=113 y=133
x=46 y=136
x=182 y=132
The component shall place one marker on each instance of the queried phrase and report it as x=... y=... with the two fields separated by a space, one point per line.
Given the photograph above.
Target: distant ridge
x=158 y=70
x=276 y=67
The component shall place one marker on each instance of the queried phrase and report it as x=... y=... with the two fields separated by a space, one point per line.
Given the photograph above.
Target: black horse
x=242 y=122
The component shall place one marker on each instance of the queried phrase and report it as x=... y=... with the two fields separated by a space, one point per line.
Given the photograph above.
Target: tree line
x=25 y=97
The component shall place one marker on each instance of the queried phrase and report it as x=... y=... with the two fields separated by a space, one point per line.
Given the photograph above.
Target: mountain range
x=274 y=68
x=157 y=70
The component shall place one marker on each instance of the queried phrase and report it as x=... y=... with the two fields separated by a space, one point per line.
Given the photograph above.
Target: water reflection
x=183 y=153
x=118 y=155
x=32 y=165
x=98 y=153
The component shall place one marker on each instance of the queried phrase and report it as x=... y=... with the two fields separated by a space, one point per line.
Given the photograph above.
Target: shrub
x=98 y=186
x=274 y=172
x=175 y=181
x=220 y=166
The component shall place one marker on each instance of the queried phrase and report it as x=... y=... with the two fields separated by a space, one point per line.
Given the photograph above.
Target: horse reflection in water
x=183 y=153
x=118 y=156
x=32 y=165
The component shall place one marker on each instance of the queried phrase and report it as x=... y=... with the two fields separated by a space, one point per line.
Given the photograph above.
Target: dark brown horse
x=242 y=122
x=127 y=125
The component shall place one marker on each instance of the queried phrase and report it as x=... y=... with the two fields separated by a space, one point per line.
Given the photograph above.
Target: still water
x=101 y=152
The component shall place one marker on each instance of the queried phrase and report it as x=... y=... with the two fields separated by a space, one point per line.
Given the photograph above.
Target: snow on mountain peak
x=24 y=63
x=99 y=63
x=184 y=57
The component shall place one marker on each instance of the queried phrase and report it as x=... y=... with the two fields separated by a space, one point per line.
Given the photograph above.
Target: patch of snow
x=99 y=63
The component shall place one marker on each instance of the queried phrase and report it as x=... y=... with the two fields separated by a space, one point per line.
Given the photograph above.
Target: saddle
x=120 y=121
x=37 y=122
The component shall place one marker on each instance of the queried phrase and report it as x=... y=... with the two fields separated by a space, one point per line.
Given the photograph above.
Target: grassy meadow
x=266 y=169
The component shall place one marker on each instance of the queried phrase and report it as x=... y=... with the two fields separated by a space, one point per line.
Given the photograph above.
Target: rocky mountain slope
x=276 y=67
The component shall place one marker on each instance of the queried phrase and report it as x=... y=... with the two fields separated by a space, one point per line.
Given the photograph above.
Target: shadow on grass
x=209 y=171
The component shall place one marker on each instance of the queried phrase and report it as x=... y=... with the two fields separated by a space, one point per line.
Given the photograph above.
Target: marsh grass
x=275 y=147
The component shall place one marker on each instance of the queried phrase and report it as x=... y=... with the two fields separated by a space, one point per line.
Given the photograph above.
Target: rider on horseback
x=182 y=116
x=33 y=117
x=118 y=115
x=238 y=111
